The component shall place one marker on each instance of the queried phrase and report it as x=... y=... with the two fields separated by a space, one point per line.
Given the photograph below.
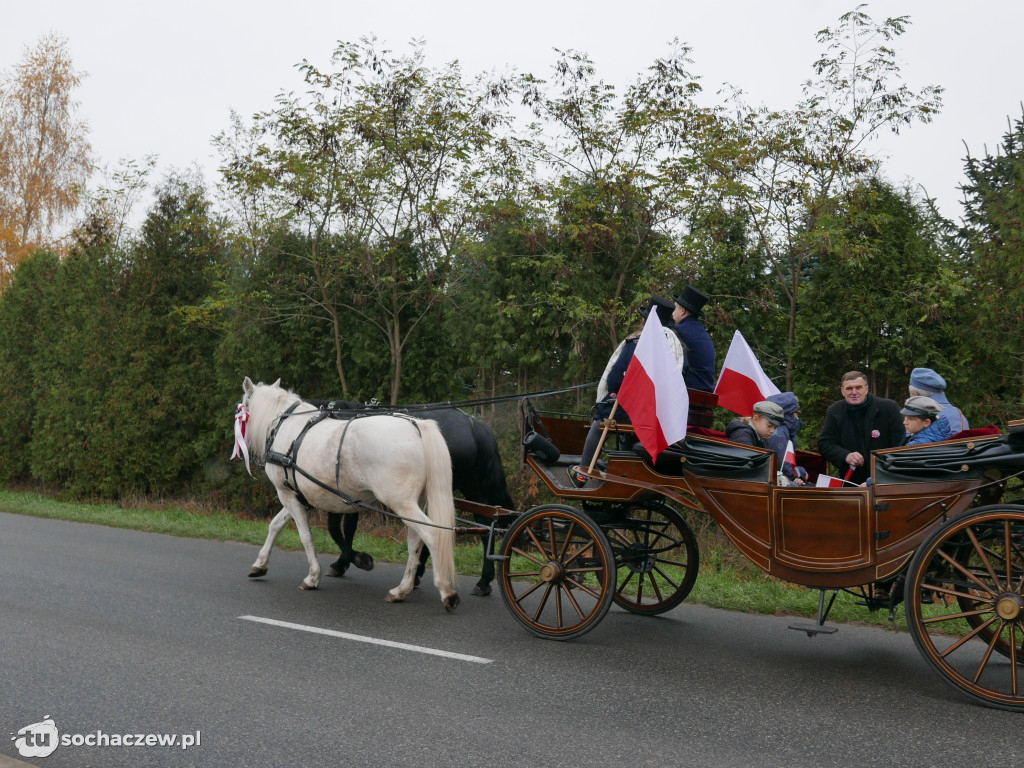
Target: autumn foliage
x=44 y=155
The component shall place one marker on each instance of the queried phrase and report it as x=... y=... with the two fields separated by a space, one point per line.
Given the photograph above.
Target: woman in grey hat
x=927 y=383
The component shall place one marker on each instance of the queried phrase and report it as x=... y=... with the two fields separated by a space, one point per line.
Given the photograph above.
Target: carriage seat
x=991 y=429
x=946 y=460
x=714 y=459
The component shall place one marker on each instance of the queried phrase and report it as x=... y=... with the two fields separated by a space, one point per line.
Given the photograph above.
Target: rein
x=466 y=403
x=287 y=461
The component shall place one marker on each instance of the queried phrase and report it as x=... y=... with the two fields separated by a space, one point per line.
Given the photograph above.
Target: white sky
x=164 y=77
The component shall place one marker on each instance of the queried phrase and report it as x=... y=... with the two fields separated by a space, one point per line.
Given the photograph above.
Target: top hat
x=692 y=299
x=664 y=308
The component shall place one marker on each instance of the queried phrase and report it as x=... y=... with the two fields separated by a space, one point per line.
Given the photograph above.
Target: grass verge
x=721 y=583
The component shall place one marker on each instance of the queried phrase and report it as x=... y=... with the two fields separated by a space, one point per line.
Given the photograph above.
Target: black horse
x=477 y=473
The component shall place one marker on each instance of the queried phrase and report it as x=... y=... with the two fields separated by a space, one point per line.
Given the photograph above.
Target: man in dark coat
x=699 y=370
x=857 y=425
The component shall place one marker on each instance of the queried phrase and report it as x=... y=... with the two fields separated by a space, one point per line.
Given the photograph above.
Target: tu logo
x=38 y=739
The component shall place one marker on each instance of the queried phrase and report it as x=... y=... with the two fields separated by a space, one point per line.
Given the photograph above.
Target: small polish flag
x=742 y=382
x=653 y=392
x=790 y=457
x=825 y=481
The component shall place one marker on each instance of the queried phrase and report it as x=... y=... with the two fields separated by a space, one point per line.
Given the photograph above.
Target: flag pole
x=604 y=434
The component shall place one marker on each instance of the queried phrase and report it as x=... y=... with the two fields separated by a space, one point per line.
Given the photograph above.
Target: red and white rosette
x=241 y=442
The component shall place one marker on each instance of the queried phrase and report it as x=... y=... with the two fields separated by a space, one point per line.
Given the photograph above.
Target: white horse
x=395 y=461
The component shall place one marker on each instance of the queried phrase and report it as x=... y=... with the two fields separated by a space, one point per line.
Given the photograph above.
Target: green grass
x=724 y=582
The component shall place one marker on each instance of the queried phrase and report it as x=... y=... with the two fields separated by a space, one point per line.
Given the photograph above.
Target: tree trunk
x=333 y=312
x=396 y=361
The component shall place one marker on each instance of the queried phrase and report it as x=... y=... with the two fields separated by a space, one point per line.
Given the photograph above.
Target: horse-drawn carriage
x=934 y=527
x=958 y=566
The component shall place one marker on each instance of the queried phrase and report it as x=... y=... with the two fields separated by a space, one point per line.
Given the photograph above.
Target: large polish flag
x=742 y=382
x=653 y=391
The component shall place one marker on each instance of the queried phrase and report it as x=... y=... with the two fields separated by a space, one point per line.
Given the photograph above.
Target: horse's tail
x=440 y=502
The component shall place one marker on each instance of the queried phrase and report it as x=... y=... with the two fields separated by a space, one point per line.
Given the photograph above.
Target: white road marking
x=371 y=640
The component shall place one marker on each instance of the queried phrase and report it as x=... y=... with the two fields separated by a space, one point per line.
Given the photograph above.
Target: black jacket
x=879 y=425
x=739 y=431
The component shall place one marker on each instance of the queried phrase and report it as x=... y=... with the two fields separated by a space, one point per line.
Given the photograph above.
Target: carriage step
x=815 y=629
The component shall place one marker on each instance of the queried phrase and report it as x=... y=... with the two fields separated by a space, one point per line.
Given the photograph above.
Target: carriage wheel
x=560 y=572
x=965 y=604
x=656 y=558
x=975 y=604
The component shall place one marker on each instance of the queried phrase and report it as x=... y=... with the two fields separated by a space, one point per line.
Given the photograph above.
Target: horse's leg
x=334 y=527
x=342 y=527
x=422 y=567
x=406 y=585
x=280 y=520
x=301 y=518
x=361 y=560
x=421 y=539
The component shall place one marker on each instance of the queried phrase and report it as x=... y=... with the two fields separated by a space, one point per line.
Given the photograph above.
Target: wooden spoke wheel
x=965 y=604
x=976 y=604
x=656 y=557
x=559 y=577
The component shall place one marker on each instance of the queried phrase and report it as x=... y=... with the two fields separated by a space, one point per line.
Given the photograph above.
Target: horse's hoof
x=257 y=572
x=451 y=603
x=363 y=561
x=332 y=571
x=483 y=590
x=306 y=586
x=393 y=598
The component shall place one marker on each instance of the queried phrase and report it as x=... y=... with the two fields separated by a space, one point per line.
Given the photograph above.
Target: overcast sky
x=164 y=77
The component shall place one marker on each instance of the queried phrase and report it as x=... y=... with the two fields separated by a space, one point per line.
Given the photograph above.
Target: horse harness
x=288 y=460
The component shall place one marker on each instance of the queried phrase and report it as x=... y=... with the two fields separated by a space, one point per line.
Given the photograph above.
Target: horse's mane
x=266 y=403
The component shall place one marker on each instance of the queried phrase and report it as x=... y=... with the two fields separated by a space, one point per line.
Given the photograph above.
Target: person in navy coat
x=699 y=371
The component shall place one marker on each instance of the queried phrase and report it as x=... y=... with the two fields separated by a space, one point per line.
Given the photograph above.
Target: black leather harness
x=288 y=461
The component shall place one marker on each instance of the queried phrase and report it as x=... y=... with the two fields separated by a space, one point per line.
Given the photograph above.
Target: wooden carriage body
x=818 y=537
x=939 y=530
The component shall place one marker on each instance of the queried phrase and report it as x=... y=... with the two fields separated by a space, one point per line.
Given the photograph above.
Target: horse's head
x=249 y=389
x=262 y=403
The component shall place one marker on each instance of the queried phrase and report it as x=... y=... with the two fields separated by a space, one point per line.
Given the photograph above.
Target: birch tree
x=44 y=152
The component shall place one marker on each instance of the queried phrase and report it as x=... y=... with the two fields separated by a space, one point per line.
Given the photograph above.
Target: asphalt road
x=119 y=632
